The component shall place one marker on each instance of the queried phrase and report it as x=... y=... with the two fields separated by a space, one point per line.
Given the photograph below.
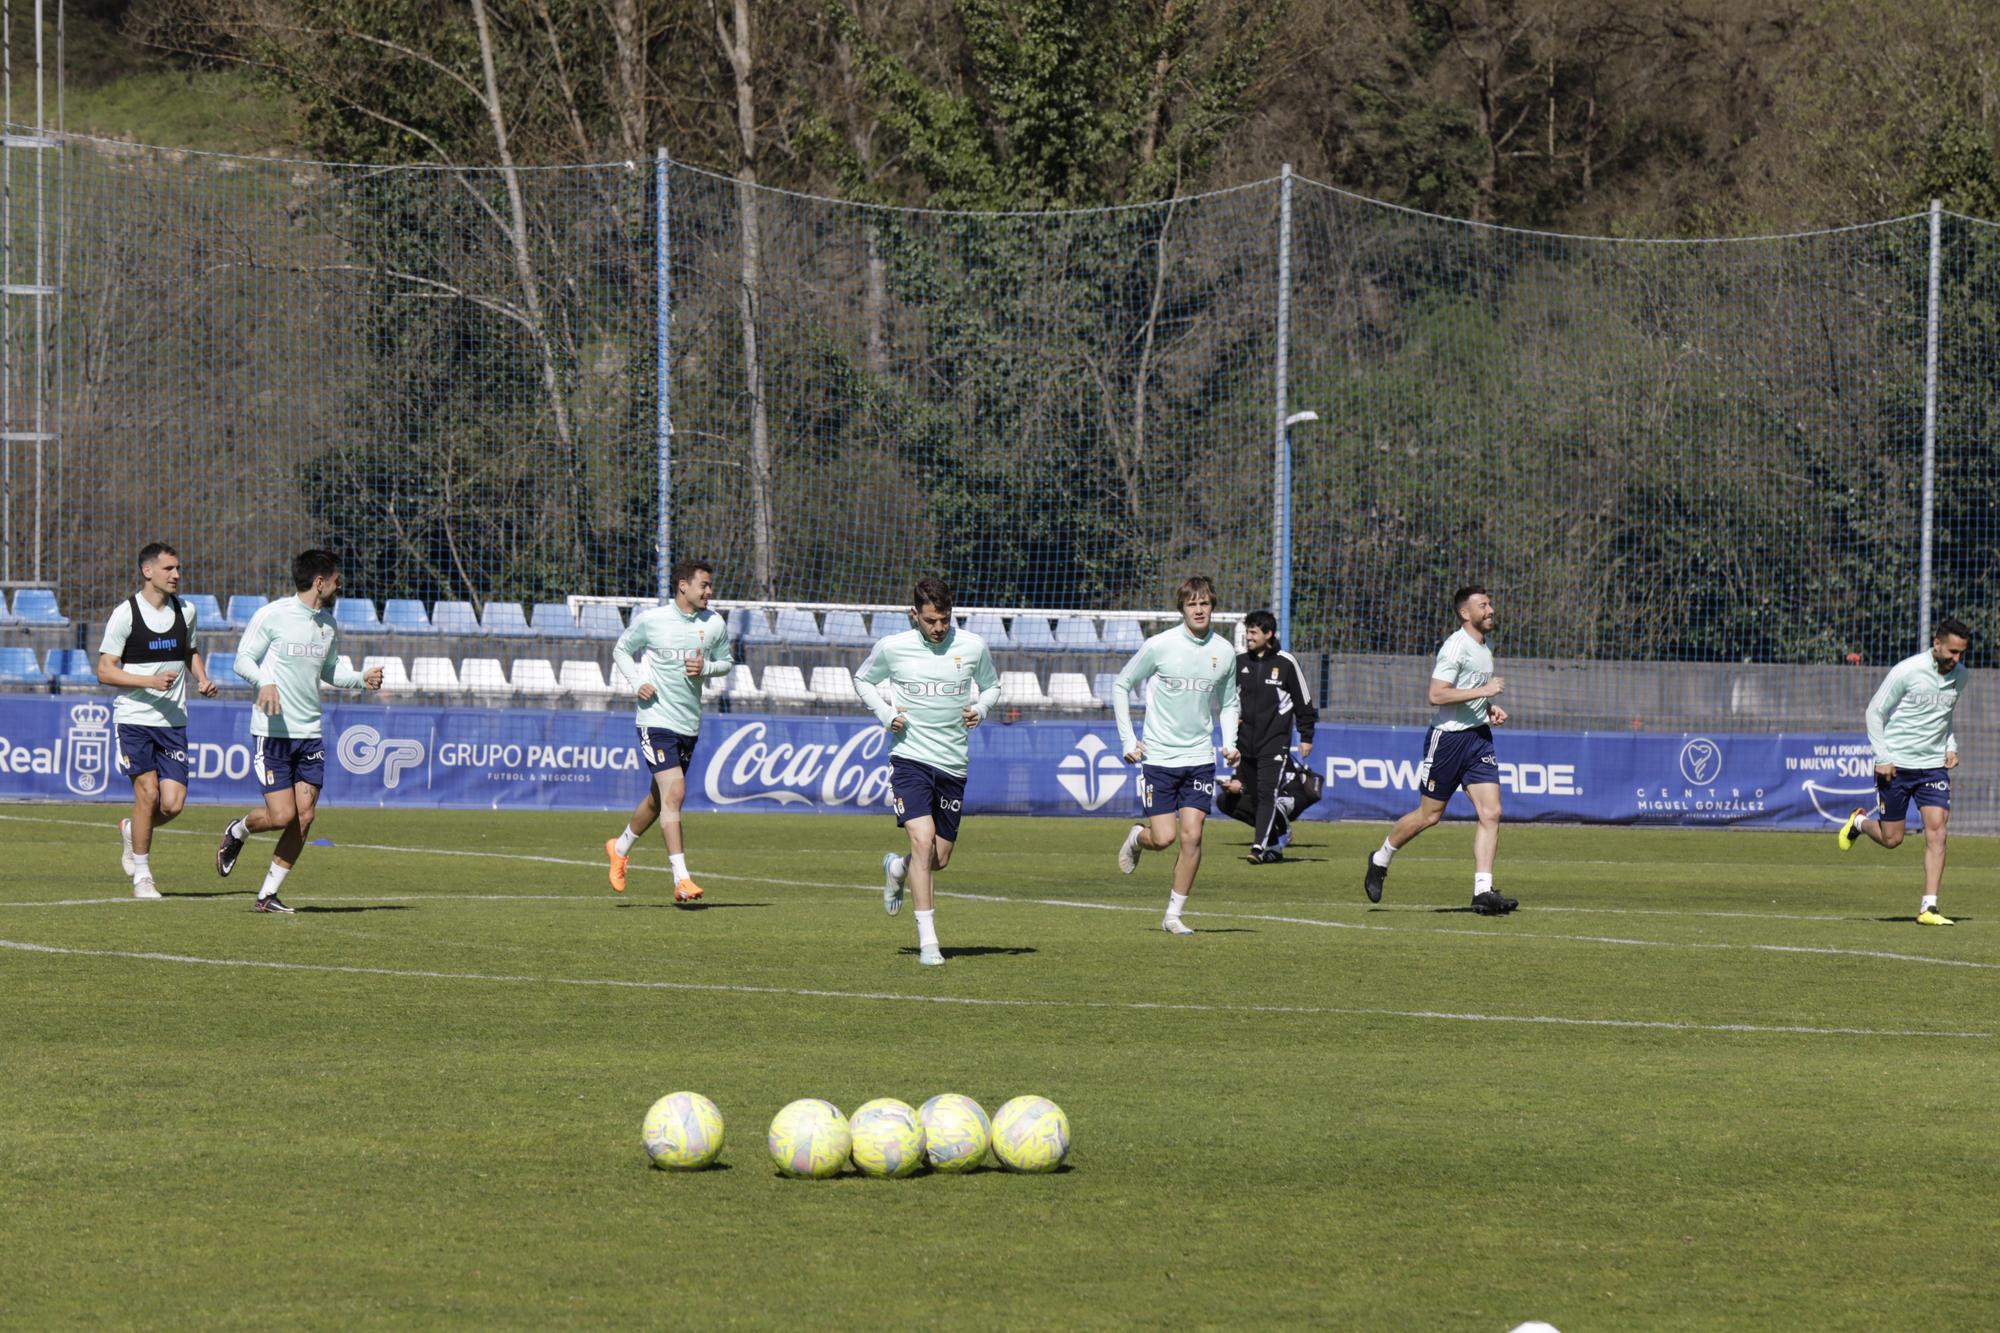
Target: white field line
x=802 y=992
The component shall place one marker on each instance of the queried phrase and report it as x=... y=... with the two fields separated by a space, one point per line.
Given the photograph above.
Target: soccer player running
x=1274 y=697
x=1910 y=728
x=1194 y=678
x=290 y=647
x=1458 y=752
x=684 y=643
x=148 y=651
x=944 y=685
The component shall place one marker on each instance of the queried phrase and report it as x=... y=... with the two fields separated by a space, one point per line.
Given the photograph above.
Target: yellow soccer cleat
x=1851 y=829
x=618 y=864
x=1930 y=916
x=687 y=891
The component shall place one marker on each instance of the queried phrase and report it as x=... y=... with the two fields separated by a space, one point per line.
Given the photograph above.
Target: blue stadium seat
x=356 y=615
x=990 y=628
x=73 y=667
x=846 y=629
x=1078 y=636
x=241 y=607
x=455 y=618
x=7 y=617
x=1100 y=687
x=406 y=615
x=756 y=626
x=207 y=611
x=799 y=627
x=552 y=620
x=18 y=667
x=1031 y=635
x=36 y=608
x=600 y=620
x=504 y=619
x=884 y=623
x=1123 y=636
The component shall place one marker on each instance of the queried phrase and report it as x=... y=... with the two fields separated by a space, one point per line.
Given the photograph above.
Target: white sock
x=1481 y=883
x=900 y=867
x=272 y=879
x=142 y=864
x=926 y=929
x=239 y=829
x=1930 y=902
x=1175 y=902
x=625 y=841
x=679 y=862
x=1383 y=854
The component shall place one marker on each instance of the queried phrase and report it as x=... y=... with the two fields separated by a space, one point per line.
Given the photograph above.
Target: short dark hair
x=1464 y=595
x=1196 y=586
x=931 y=591
x=152 y=551
x=1952 y=625
x=1262 y=620
x=313 y=564
x=688 y=568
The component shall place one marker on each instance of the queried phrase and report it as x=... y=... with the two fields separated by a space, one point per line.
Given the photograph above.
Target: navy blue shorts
x=162 y=750
x=665 y=749
x=917 y=790
x=1162 y=791
x=1924 y=786
x=283 y=763
x=1454 y=759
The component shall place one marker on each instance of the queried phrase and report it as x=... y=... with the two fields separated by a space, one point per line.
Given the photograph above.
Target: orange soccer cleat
x=618 y=864
x=687 y=891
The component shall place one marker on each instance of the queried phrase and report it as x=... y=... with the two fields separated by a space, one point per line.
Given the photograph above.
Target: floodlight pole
x=663 y=424
x=1281 y=459
x=1924 y=565
x=1283 y=610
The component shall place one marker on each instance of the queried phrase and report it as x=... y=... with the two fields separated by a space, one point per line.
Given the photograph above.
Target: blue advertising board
x=62 y=747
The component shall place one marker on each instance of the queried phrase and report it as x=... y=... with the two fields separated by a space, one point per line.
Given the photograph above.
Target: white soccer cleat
x=1128 y=855
x=892 y=884
x=125 y=838
x=1173 y=925
x=142 y=887
x=931 y=956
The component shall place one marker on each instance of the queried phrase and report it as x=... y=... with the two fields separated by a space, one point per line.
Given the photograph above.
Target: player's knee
x=1892 y=835
x=1489 y=816
x=170 y=802
x=304 y=817
x=940 y=856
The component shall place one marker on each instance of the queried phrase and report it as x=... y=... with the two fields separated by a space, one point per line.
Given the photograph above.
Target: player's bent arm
x=350 y=679
x=719 y=659
x=627 y=665
x=1879 y=708
x=871 y=695
x=1443 y=695
x=111 y=671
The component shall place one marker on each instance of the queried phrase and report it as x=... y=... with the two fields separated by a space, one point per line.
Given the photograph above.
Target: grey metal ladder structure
x=30 y=308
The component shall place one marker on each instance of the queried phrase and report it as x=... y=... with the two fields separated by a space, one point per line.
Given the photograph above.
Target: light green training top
x=1909 y=719
x=667 y=637
x=294 y=647
x=1464 y=663
x=931 y=684
x=1193 y=680
x=142 y=707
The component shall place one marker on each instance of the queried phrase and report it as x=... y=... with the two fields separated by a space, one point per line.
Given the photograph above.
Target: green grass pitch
x=1701 y=1079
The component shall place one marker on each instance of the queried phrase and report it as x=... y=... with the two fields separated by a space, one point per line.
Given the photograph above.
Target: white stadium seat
x=483 y=677
x=434 y=675
x=1071 y=689
x=786 y=685
x=1021 y=689
x=834 y=685
x=393 y=675
x=534 y=676
x=743 y=686
x=585 y=680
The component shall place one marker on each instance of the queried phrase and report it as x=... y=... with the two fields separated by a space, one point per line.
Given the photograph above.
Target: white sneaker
x=1173 y=925
x=931 y=956
x=125 y=837
x=1128 y=855
x=142 y=887
x=892 y=884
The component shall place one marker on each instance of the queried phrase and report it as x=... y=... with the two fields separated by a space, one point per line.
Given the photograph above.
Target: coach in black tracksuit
x=1274 y=698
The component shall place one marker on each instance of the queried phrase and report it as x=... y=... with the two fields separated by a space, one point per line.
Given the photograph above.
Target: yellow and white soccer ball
x=888 y=1138
x=956 y=1132
x=1030 y=1134
x=683 y=1132
x=809 y=1140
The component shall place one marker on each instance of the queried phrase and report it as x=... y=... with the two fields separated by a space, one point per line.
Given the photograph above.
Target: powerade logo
x=747 y=767
x=1372 y=774
x=1092 y=773
x=363 y=749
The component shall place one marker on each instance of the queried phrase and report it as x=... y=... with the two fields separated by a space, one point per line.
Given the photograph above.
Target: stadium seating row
x=487 y=680
x=792 y=628
x=34 y=608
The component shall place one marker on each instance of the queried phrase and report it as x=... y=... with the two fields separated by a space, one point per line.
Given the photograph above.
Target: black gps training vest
x=172 y=644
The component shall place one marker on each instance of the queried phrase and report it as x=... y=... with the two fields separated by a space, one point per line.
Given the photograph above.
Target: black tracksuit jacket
x=1273 y=695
